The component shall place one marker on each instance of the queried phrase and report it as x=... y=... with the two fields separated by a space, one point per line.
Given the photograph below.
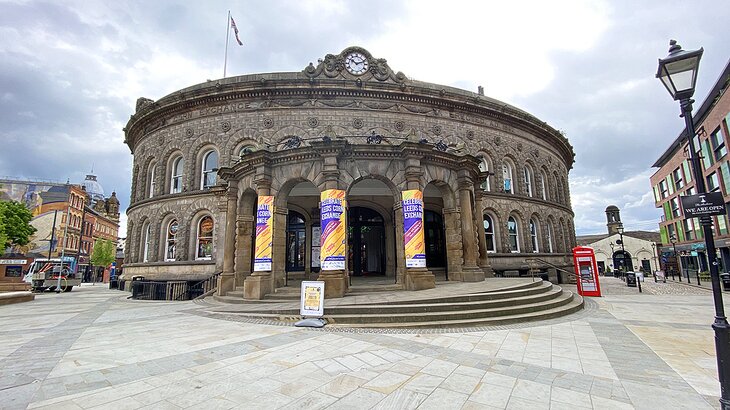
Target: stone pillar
x=278 y=253
x=227 y=281
x=259 y=284
x=415 y=278
x=471 y=271
x=244 y=246
x=336 y=283
x=454 y=252
x=481 y=237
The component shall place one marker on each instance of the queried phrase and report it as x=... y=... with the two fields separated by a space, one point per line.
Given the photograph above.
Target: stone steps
x=524 y=302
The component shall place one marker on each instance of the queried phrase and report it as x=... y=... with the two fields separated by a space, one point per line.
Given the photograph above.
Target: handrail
x=206 y=284
x=528 y=260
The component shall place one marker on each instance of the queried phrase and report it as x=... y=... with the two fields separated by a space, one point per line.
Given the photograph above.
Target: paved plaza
x=93 y=348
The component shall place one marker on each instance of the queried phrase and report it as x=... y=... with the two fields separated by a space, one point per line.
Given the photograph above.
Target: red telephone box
x=586 y=271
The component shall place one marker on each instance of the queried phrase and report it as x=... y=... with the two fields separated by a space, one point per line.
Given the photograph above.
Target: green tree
x=104 y=253
x=15 y=227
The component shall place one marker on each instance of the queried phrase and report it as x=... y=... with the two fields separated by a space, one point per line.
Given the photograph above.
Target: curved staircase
x=456 y=305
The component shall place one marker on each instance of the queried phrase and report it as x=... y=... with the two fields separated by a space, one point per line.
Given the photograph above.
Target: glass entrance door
x=295 y=243
x=366 y=237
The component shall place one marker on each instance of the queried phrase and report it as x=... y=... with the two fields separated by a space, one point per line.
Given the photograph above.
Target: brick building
x=494 y=178
x=90 y=217
x=674 y=178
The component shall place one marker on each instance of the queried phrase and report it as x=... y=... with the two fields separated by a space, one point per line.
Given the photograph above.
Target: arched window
x=151 y=179
x=204 y=249
x=543 y=186
x=489 y=233
x=550 y=237
x=513 y=233
x=507 y=177
x=146 y=238
x=533 y=236
x=484 y=167
x=171 y=242
x=176 y=178
x=210 y=166
x=528 y=181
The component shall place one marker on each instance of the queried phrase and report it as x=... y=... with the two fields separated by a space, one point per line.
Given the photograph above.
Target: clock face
x=356 y=63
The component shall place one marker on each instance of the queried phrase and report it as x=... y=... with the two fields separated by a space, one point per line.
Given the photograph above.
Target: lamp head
x=678 y=71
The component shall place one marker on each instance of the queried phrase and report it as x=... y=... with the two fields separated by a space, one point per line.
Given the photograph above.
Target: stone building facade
x=494 y=178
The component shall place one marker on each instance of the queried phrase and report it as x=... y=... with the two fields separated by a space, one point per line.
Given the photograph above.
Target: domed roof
x=612 y=208
x=93 y=187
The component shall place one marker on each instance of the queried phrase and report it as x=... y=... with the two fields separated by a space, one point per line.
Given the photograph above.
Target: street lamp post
x=653 y=256
x=620 y=231
x=673 y=240
x=613 y=257
x=678 y=73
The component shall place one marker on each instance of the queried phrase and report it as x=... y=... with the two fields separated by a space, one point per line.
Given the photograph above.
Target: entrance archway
x=622 y=261
x=366 y=239
x=435 y=240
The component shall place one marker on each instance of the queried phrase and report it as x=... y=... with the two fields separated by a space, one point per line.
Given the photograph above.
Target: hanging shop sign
x=264 y=238
x=332 y=217
x=413 y=229
x=708 y=204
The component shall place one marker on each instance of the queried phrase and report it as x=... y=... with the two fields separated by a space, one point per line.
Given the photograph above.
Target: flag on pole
x=235 y=30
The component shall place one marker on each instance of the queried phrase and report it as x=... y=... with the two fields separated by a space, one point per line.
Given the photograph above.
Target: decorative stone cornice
x=335 y=66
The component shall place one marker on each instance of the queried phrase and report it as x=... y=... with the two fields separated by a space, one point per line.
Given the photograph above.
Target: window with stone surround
x=171 y=242
x=204 y=249
x=489 y=233
x=533 y=236
x=513 y=234
x=209 y=169
x=176 y=178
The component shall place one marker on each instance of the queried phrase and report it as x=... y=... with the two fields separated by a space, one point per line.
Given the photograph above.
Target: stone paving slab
x=93 y=348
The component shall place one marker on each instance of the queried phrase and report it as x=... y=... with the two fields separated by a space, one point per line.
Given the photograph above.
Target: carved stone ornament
x=189 y=132
x=437 y=130
x=293 y=142
x=226 y=126
x=334 y=66
x=312 y=122
x=519 y=146
x=375 y=138
x=400 y=125
x=497 y=140
x=441 y=146
x=160 y=139
x=470 y=134
x=357 y=123
x=268 y=122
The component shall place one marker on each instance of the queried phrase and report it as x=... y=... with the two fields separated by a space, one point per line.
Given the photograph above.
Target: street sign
x=707 y=204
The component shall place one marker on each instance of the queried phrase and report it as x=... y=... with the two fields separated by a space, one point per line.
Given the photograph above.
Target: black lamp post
x=613 y=257
x=653 y=256
x=673 y=240
x=620 y=231
x=678 y=73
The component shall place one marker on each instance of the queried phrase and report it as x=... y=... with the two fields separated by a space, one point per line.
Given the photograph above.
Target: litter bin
x=725 y=278
x=631 y=279
x=136 y=286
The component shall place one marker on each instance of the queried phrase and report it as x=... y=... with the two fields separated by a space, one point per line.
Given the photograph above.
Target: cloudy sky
x=71 y=71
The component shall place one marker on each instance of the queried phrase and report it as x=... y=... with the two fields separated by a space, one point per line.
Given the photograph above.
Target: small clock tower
x=613 y=219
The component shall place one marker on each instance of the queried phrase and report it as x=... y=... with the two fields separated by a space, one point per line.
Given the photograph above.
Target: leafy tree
x=15 y=227
x=104 y=253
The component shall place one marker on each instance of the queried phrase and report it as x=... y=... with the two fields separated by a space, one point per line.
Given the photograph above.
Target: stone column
x=454 y=251
x=471 y=271
x=244 y=244
x=259 y=284
x=278 y=253
x=415 y=278
x=227 y=281
x=336 y=283
x=481 y=237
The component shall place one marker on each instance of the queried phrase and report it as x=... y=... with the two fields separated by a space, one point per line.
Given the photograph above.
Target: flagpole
x=228 y=32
